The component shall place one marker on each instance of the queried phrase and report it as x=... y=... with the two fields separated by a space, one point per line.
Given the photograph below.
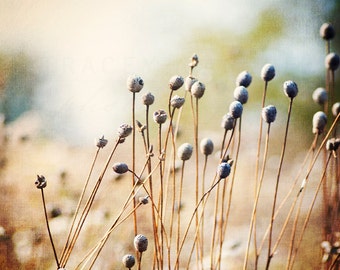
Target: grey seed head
x=241 y=94
x=176 y=82
x=228 y=122
x=268 y=72
x=236 y=109
x=101 y=142
x=134 y=83
x=319 y=122
x=269 y=113
x=148 y=99
x=177 y=102
x=41 y=182
x=327 y=31
x=336 y=109
x=184 y=152
x=141 y=243
x=120 y=167
x=290 y=89
x=124 y=130
x=128 y=260
x=320 y=95
x=188 y=82
x=243 y=79
x=332 y=61
x=206 y=146
x=160 y=116
x=144 y=200
x=223 y=170
x=197 y=89
x=194 y=61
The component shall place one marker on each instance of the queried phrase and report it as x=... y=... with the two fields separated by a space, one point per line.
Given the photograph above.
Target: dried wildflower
x=290 y=89
x=223 y=170
x=336 y=109
x=101 y=142
x=268 y=72
x=160 y=116
x=41 y=182
x=243 y=79
x=236 y=109
x=184 y=152
x=140 y=126
x=241 y=94
x=128 y=261
x=148 y=99
x=327 y=31
x=124 y=130
x=140 y=243
x=144 y=200
x=197 y=89
x=188 y=82
x=194 y=61
x=319 y=122
x=269 y=113
x=228 y=121
x=177 y=102
x=332 y=61
x=320 y=95
x=134 y=83
x=332 y=144
x=206 y=146
x=176 y=82
x=120 y=168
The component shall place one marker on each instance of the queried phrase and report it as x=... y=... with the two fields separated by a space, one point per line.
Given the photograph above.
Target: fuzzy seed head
x=319 y=122
x=320 y=95
x=241 y=94
x=101 y=142
x=197 y=89
x=268 y=72
x=269 y=113
x=184 y=152
x=124 y=130
x=223 y=170
x=290 y=89
x=206 y=146
x=235 y=109
x=336 y=109
x=243 y=79
x=327 y=31
x=148 y=99
x=134 y=83
x=41 y=182
x=160 y=116
x=176 y=82
x=120 y=167
x=332 y=61
x=128 y=261
x=228 y=122
x=188 y=82
x=177 y=102
x=141 y=243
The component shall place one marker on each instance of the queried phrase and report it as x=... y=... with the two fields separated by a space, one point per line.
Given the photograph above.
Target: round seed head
x=223 y=170
x=141 y=243
x=101 y=142
x=188 y=82
x=269 y=113
x=148 y=99
x=228 y=121
x=176 y=82
x=332 y=61
x=41 y=182
x=290 y=89
x=336 y=109
x=144 y=200
x=194 y=61
x=134 y=83
x=268 y=72
x=319 y=122
x=124 y=130
x=160 y=116
x=320 y=95
x=243 y=79
x=197 y=89
x=235 y=109
x=120 y=168
x=241 y=94
x=184 y=152
x=128 y=260
x=327 y=31
x=177 y=102
x=206 y=146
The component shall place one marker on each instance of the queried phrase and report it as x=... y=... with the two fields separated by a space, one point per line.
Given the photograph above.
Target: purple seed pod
x=128 y=261
x=206 y=146
x=268 y=72
x=290 y=89
x=332 y=61
x=134 y=83
x=319 y=122
x=241 y=94
x=41 y=182
x=120 y=168
x=124 y=130
x=336 y=109
x=176 y=82
x=197 y=89
x=177 y=102
x=235 y=109
x=188 y=82
x=269 y=113
x=148 y=99
x=327 y=31
x=160 y=116
x=223 y=170
x=320 y=95
x=101 y=142
x=243 y=79
x=141 y=243
x=184 y=152
x=228 y=122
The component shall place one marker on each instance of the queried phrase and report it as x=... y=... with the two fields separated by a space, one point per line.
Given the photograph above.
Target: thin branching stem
x=135 y=227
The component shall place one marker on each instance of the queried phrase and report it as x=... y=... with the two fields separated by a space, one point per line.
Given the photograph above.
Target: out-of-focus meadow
x=63 y=70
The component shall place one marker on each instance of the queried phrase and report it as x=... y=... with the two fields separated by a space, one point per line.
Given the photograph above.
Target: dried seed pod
x=206 y=146
x=290 y=89
x=332 y=144
x=332 y=61
x=184 y=152
x=327 y=31
x=141 y=243
x=177 y=102
x=41 y=182
x=336 y=109
x=236 y=109
x=120 y=167
x=124 y=130
x=134 y=83
x=243 y=79
x=160 y=116
x=194 y=61
x=319 y=122
x=228 y=121
x=268 y=72
x=144 y=200
x=269 y=113
x=148 y=99
x=128 y=261
x=188 y=82
x=101 y=142
x=320 y=95
x=223 y=170
x=241 y=94
x=197 y=89
x=176 y=82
